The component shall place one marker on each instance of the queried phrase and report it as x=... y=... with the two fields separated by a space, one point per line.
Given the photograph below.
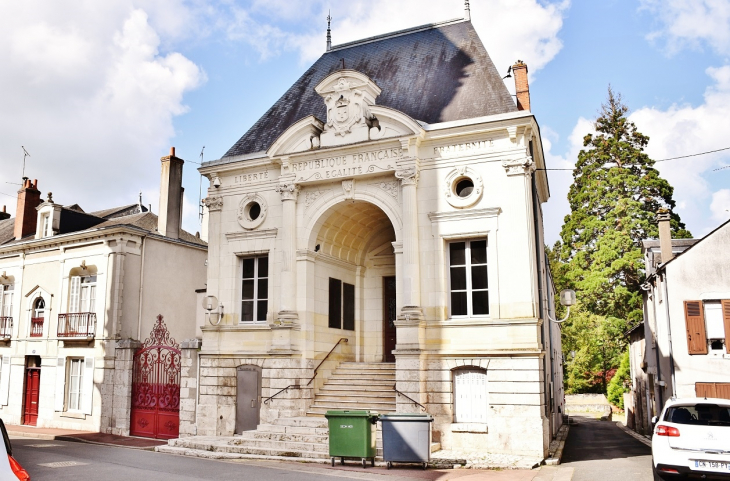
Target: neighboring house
x=391 y=198
x=79 y=292
x=681 y=349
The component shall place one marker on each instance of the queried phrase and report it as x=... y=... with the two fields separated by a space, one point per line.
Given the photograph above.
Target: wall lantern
x=567 y=298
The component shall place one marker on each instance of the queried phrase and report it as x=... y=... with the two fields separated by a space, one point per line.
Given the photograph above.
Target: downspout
x=669 y=335
x=656 y=348
x=141 y=291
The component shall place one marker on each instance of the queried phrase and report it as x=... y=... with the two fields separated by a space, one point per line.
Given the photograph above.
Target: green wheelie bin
x=352 y=435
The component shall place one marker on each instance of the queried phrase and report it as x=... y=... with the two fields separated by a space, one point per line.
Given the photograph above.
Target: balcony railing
x=36 y=327
x=6 y=327
x=77 y=324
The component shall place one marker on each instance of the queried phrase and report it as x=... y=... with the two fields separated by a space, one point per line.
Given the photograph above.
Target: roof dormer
x=49 y=218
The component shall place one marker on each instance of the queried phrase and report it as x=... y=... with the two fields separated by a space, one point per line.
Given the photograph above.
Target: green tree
x=614 y=198
x=616 y=388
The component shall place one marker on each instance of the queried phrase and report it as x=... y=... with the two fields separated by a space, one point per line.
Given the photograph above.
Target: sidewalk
x=82 y=436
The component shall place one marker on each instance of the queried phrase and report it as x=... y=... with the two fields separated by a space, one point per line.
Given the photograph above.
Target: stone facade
x=341 y=206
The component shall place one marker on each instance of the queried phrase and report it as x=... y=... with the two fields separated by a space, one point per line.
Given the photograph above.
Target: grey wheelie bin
x=352 y=435
x=406 y=438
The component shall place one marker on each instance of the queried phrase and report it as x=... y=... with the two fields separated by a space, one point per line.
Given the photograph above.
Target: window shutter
x=696 y=337
x=726 y=321
x=4 y=380
x=59 y=402
x=87 y=392
x=74 y=294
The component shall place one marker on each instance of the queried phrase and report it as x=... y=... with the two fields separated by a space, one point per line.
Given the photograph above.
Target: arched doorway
x=156 y=386
x=356 y=268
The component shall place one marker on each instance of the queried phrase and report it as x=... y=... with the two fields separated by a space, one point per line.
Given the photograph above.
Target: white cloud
x=685 y=130
x=720 y=205
x=691 y=23
x=88 y=92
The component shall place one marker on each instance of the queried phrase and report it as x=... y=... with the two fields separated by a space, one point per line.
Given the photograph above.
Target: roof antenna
x=467 y=11
x=25 y=154
x=329 y=32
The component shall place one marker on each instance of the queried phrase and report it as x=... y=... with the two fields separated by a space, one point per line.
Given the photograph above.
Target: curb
x=558 y=454
x=69 y=438
x=633 y=434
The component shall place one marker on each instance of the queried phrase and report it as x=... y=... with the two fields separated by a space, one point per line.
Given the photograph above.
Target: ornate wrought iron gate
x=156 y=386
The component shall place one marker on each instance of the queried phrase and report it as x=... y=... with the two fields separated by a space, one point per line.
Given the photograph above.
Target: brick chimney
x=665 y=235
x=4 y=214
x=26 y=216
x=522 y=88
x=170 y=216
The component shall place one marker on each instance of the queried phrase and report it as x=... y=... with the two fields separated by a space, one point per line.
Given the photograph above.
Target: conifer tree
x=614 y=199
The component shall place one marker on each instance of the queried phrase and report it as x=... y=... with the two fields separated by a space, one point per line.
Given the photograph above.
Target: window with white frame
x=46 y=226
x=6 y=300
x=470 y=395
x=715 y=326
x=82 y=294
x=255 y=289
x=468 y=282
x=75 y=384
x=708 y=326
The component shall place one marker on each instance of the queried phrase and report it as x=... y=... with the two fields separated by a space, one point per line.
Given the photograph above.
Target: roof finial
x=329 y=34
x=467 y=11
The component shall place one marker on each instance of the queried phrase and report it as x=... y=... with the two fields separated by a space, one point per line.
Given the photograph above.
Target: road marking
x=62 y=464
x=42 y=445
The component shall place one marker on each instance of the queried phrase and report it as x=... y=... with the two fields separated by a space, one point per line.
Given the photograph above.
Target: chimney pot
x=26 y=216
x=522 y=87
x=4 y=214
x=172 y=151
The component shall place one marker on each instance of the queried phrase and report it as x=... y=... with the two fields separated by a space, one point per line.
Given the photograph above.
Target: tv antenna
x=25 y=154
x=200 y=189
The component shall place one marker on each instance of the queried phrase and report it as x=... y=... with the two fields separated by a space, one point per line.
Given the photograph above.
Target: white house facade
x=386 y=213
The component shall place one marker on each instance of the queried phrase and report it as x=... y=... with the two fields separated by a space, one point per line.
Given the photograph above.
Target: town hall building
x=375 y=241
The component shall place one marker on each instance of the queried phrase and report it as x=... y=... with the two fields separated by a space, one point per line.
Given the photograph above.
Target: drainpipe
x=141 y=291
x=656 y=348
x=669 y=335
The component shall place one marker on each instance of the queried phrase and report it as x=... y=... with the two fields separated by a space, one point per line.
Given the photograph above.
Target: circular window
x=254 y=210
x=251 y=211
x=464 y=187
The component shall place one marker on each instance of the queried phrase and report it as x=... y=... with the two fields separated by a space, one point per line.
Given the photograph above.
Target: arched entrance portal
x=355 y=272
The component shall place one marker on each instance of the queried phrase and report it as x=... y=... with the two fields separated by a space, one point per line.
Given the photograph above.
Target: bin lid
x=407 y=417
x=350 y=414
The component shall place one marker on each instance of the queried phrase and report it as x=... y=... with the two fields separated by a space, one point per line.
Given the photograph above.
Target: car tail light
x=669 y=470
x=662 y=430
x=18 y=470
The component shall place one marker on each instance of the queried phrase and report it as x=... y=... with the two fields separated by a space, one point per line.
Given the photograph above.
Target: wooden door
x=389 y=315
x=32 y=387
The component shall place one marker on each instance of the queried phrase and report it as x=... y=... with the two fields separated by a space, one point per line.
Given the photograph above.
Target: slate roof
x=434 y=73
x=106 y=218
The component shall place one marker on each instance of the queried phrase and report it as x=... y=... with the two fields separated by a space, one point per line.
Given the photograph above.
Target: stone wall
x=121 y=402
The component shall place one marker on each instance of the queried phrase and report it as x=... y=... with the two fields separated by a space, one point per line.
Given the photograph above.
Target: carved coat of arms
x=346 y=108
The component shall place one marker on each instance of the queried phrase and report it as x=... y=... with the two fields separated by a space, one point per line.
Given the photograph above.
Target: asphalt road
x=95 y=462
x=601 y=450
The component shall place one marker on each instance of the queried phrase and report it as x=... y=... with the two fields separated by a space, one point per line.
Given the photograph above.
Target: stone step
x=270 y=448
x=387 y=389
x=360 y=382
x=356 y=374
x=315 y=447
x=369 y=365
x=200 y=453
x=284 y=437
x=300 y=422
x=363 y=399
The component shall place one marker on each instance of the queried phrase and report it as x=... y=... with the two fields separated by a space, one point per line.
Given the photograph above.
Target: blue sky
x=98 y=91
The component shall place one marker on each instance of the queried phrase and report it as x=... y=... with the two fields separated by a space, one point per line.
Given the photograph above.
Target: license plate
x=714 y=466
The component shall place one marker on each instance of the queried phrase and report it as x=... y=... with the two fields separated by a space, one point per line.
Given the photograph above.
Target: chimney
x=168 y=220
x=665 y=235
x=522 y=88
x=26 y=216
x=4 y=214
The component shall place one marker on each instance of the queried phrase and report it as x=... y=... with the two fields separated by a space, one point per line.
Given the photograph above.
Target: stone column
x=189 y=386
x=288 y=295
x=215 y=206
x=408 y=174
x=122 y=398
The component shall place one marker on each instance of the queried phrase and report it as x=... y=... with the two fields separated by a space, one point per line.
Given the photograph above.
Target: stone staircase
x=352 y=386
x=357 y=385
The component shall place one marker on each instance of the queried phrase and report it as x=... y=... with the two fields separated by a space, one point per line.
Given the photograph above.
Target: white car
x=692 y=439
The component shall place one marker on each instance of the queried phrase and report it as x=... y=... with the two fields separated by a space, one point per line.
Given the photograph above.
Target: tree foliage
x=617 y=388
x=615 y=196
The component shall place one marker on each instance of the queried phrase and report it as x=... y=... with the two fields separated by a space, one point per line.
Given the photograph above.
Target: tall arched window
x=36 y=322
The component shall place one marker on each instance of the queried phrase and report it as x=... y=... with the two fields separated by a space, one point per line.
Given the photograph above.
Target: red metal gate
x=156 y=386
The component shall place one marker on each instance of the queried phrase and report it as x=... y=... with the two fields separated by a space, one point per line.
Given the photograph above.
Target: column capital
x=288 y=190
x=408 y=175
x=521 y=166
x=213 y=203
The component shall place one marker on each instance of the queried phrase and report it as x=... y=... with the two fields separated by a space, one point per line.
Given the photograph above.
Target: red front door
x=32 y=386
